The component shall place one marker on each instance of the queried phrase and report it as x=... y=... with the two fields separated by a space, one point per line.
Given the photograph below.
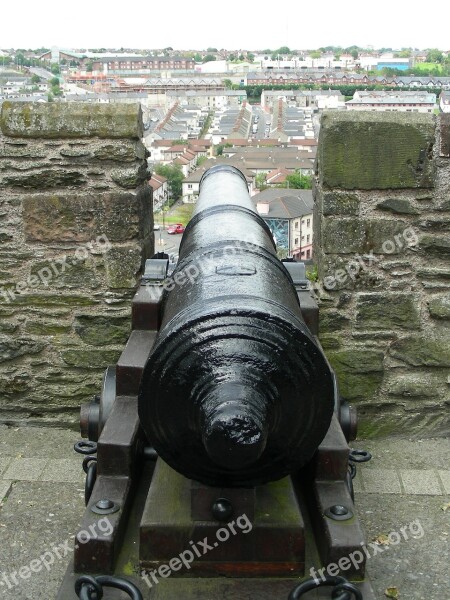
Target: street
x=165 y=242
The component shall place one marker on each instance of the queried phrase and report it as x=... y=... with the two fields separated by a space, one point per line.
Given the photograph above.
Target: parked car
x=177 y=228
x=156 y=227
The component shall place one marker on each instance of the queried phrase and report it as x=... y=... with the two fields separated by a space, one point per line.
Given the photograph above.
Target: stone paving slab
x=445 y=480
x=4 y=463
x=4 y=489
x=381 y=481
x=64 y=470
x=421 y=482
x=25 y=469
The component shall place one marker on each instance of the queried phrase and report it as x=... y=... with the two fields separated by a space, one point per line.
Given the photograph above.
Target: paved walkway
x=402 y=497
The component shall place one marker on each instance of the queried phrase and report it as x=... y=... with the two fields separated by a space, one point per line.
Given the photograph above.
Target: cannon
x=236 y=391
x=222 y=406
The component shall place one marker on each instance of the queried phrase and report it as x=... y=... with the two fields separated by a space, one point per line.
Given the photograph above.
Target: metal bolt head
x=222 y=509
x=339 y=510
x=105 y=504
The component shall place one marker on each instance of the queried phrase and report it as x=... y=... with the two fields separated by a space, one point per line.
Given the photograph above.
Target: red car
x=177 y=228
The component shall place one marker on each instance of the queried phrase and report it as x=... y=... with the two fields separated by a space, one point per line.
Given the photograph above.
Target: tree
x=211 y=49
x=260 y=181
x=200 y=160
x=228 y=83
x=435 y=56
x=35 y=79
x=315 y=54
x=283 y=50
x=208 y=58
x=197 y=57
x=175 y=177
x=89 y=66
x=298 y=181
x=250 y=57
x=354 y=53
x=55 y=69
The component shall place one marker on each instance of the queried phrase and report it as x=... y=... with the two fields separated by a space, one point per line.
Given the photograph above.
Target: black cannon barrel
x=236 y=392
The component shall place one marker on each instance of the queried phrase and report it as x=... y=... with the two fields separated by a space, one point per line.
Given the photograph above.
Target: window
x=308 y=222
x=303 y=238
x=189 y=186
x=308 y=254
x=296 y=224
x=296 y=242
x=308 y=237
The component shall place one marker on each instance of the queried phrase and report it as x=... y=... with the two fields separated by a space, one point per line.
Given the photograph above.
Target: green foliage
x=197 y=57
x=250 y=57
x=211 y=49
x=219 y=148
x=435 y=56
x=89 y=66
x=283 y=50
x=312 y=273
x=200 y=160
x=260 y=182
x=298 y=181
x=175 y=177
x=35 y=79
x=54 y=81
x=208 y=58
x=228 y=83
x=315 y=54
x=55 y=69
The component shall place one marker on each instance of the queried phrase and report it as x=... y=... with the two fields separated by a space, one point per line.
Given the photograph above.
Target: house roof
x=285 y=204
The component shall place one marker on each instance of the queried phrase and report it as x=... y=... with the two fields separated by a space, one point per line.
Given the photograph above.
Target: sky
x=230 y=24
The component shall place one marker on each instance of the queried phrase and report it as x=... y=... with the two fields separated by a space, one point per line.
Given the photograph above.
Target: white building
x=444 y=102
x=397 y=101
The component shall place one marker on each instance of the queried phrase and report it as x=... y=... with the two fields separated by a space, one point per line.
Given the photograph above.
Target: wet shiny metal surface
x=235 y=392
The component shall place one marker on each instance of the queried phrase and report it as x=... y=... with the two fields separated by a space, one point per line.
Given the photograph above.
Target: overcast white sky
x=231 y=24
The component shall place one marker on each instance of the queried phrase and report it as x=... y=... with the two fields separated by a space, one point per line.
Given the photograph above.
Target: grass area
x=180 y=213
x=426 y=66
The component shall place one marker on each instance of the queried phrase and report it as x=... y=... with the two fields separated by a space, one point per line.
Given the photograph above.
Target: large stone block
x=432 y=350
x=123 y=265
x=101 y=330
x=413 y=386
x=44 y=179
x=435 y=245
x=118 y=216
x=343 y=236
x=90 y=359
x=387 y=310
x=371 y=150
x=398 y=206
x=359 y=372
x=380 y=236
x=13 y=348
x=71 y=120
x=440 y=307
x=340 y=204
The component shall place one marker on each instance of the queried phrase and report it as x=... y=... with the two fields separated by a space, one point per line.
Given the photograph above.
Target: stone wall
x=75 y=228
x=382 y=245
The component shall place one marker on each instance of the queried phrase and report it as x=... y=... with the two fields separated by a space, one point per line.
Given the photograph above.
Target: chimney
x=263 y=208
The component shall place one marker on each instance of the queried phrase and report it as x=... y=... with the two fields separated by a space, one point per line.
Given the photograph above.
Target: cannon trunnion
x=222 y=416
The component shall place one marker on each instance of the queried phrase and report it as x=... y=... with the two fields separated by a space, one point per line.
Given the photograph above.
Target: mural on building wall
x=280 y=232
